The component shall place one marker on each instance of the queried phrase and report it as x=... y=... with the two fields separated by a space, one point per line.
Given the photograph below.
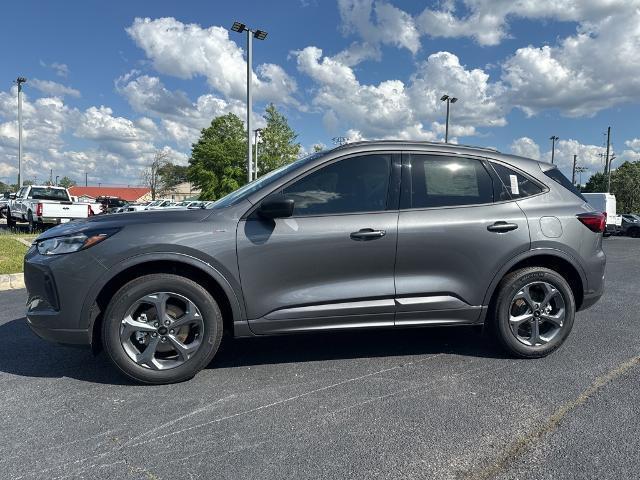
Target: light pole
x=449 y=100
x=19 y=82
x=57 y=180
x=260 y=35
x=609 y=172
x=257 y=132
x=553 y=139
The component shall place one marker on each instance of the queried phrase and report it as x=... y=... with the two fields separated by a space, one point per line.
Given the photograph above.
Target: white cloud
x=633 y=144
x=526 y=147
x=393 y=109
x=379 y=23
x=189 y=50
x=60 y=69
x=56 y=89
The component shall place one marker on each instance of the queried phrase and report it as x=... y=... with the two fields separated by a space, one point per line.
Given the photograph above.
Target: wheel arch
x=186 y=266
x=555 y=260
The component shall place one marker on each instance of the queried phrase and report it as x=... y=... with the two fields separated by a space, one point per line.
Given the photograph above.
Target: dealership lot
x=428 y=403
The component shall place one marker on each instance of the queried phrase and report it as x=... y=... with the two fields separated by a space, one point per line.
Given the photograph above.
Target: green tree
x=67 y=182
x=625 y=185
x=171 y=175
x=4 y=187
x=277 y=145
x=597 y=183
x=218 y=162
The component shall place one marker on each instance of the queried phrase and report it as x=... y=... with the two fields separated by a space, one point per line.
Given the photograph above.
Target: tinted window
x=39 y=193
x=515 y=185
x=557 y=175
x=356 y=184
x=446 y=181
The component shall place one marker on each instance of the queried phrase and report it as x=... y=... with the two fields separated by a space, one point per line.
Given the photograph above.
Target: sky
x=111 y=83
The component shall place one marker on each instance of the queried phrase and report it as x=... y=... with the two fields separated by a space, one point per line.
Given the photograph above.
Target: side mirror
x=276 y=206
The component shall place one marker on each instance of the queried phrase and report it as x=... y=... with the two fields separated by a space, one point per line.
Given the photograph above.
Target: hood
x=121 y=220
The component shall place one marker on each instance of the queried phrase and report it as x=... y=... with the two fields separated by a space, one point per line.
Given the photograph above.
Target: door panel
x=305 y=273
x=331 y=264
x=448 y=255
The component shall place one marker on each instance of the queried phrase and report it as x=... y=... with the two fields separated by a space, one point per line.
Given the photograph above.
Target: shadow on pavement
x=25 y=354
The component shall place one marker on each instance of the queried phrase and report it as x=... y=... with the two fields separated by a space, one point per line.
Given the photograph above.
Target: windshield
x=273 y=176
x=41 y=193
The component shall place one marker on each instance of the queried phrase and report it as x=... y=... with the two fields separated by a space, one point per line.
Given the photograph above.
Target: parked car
x=631 y=225
x=367 y=235
x=606 y=203
x=43 y=205
x=158 y=204
x=111 y=204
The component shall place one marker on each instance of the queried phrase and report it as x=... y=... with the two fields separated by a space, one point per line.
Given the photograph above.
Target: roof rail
x=414 y=142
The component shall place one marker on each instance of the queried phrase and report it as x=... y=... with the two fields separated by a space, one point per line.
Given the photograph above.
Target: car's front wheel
x=533 y=312
x=162 y=328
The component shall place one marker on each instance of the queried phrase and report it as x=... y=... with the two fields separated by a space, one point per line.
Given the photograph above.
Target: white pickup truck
x=606 y=203
x=41 y=205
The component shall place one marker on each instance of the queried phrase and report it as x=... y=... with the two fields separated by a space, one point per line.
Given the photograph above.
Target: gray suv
x=384 y=234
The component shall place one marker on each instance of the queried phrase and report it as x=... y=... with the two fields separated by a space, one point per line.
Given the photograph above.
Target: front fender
x=233 y=292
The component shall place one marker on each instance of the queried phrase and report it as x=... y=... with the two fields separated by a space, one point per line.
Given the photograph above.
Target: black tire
x=136 y=289
x=33 y=226
x=10 y=221
x=508 y=288
x=634 y=232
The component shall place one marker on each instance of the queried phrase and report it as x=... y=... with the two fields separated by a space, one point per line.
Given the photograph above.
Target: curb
x=11 y=281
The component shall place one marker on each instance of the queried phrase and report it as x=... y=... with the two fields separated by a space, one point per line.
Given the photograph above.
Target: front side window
x=438 y=181
x=355 y=184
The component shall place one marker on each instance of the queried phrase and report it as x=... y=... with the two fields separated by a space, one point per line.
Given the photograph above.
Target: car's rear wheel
x=634 y=232
x=534 y=312
x=162 y=328
x=10 y=221
x=33 y=225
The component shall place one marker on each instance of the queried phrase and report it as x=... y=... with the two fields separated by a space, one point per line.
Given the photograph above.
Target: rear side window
x=438 y=181
x=557 y=176
x=515 y=185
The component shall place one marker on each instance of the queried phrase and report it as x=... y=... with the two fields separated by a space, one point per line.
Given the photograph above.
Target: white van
x=606 y=203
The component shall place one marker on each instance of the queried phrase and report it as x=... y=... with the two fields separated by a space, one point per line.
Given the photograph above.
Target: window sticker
x=514 y=184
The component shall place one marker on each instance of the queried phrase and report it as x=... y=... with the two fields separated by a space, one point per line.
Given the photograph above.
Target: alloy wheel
x=162 y=330
x=537 y=313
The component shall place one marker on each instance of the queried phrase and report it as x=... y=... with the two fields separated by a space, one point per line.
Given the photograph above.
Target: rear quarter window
x=557 y=176
x=516 y=185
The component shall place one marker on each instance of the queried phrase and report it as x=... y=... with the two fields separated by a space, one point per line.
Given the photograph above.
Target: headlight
x=71 y=243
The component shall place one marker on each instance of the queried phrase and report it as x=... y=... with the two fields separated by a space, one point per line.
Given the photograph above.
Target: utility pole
x=606 y=158
x=86 y=181
x=553 y=139
x=51 y=176
x=57 y=176
x=257 y=131
x=449 y=100
x=609 y=174
x=260 y=35
x=573 y=174
x=19 y=82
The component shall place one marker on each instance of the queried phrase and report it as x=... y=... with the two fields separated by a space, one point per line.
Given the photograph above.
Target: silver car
x=387 y=234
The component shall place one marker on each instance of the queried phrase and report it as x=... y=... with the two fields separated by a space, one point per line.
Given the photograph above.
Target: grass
x=11 y=253
x=12 y=250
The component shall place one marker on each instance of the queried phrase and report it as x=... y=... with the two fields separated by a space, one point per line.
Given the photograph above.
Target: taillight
x=39 y=210
x=89 y=211
x=594 y=221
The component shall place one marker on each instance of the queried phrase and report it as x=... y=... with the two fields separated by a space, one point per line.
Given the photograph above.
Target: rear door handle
x=502 y=227
x=367 y=234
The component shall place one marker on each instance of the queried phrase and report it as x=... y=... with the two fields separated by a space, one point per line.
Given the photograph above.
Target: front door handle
x=367 y=234
x=502 y=227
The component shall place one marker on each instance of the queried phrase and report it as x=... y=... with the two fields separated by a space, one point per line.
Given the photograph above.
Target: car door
x=456 y=229
x=331 y=264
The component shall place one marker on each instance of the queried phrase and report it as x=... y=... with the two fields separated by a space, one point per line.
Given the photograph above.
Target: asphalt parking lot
x=430 y=403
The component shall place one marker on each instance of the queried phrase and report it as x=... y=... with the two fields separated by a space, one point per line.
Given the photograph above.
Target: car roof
x=441 y=147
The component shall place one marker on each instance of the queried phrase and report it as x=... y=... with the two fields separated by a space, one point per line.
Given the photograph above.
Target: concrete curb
x=11 y=281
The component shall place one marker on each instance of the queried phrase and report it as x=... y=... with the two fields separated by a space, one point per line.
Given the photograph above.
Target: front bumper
x=57 y=287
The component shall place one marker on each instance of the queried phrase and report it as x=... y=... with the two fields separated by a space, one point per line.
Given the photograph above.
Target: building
x=182 y=191
x=130 y=194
